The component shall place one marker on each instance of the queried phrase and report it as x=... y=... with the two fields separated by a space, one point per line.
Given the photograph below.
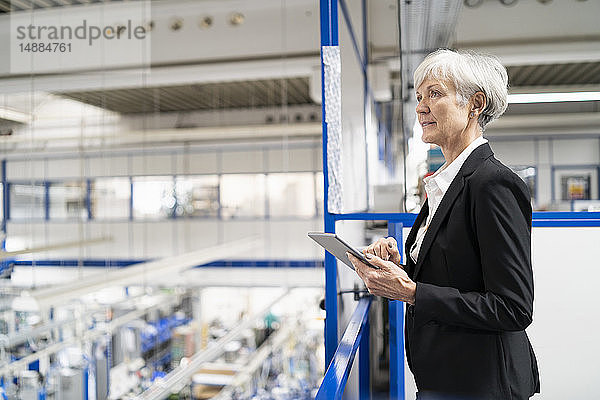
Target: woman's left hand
x=388 y=281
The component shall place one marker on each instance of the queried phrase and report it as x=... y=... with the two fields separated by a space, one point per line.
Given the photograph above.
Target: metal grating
x=554 y=74
x=223 y=95
x=7 y=6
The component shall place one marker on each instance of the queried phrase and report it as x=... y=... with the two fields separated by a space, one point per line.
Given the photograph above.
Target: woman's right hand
x=386 y=249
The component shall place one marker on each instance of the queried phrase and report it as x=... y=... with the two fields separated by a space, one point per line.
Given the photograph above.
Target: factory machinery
x=104 y=336
x=147 y=345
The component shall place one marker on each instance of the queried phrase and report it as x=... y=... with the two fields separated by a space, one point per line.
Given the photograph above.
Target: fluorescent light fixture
x=151 y=272
x=521 y=98
x=58 y=246
x=14 y=115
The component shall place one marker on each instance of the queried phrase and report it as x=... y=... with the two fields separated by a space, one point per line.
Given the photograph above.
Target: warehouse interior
x=157 y=189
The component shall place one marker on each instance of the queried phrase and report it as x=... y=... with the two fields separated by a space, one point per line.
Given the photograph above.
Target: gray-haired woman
x=468 y=280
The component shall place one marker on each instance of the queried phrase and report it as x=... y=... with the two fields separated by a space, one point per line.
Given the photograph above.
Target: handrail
x=565 y=218
x=334 y=382
x=539 y=218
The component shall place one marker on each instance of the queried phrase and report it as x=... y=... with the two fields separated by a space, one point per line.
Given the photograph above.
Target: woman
x=468 y=280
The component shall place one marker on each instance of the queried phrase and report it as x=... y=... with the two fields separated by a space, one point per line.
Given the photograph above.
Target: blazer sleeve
x=502 y=225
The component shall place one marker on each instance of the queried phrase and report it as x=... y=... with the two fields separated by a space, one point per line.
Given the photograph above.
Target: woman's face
x=443 y=120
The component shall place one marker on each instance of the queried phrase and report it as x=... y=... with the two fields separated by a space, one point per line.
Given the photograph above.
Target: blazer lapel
x=410 y=239
x=470 y=165
x=413 y=235
x=447 y=201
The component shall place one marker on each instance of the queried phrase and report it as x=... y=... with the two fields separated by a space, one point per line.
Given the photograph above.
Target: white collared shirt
x=436 y=187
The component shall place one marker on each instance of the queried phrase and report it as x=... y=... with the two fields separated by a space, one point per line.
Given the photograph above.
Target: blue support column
x=131 y=198
x=88 y=198
x=329 y=37
x=47 y=200
x=5 y=194
x=364 y=367
x=331 y=297
x=396 y=315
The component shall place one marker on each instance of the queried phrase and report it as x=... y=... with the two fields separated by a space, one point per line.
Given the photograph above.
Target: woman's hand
x=386 y=249
x=389 y=281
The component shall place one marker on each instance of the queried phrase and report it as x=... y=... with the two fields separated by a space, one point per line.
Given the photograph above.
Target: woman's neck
x=457 y=147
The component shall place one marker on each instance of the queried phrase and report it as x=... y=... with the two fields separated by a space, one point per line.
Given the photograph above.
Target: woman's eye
x=434 y=93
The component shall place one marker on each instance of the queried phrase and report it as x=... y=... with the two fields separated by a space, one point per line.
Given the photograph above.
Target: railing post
x=364 y=368
x=396 y=322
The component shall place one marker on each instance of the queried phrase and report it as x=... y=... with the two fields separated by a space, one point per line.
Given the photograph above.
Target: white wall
x=546 y=154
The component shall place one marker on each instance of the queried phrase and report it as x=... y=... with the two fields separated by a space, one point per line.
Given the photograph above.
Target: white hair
x=470 y=72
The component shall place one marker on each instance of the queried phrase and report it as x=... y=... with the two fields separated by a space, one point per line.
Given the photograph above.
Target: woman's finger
x=391 y=242
x=376 y=261
x=380 y=250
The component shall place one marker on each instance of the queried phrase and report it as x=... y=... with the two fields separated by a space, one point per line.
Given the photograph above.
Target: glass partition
x=27 y=201
x=68 y=200
x=197 y=196
x=291 y=194
x=153 y=197
x=110 y=198
x=243 y=195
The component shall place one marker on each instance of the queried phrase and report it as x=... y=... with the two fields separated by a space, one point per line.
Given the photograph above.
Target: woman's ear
x=478 y=104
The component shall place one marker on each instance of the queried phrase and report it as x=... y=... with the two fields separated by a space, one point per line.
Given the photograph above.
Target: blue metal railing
x=355 y=336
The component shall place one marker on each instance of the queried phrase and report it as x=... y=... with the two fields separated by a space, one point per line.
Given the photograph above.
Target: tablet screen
x=336 y=246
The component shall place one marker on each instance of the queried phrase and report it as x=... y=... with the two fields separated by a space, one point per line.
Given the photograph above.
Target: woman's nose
x=422 y=107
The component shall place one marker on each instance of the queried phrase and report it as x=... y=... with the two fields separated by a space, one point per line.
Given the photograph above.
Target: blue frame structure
x=329 y=37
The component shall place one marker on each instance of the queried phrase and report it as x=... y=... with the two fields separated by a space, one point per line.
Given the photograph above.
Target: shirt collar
x=444 y=176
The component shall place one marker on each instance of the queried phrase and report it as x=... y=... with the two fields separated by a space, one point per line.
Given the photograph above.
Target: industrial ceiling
x=7 y=6
x=210 y=96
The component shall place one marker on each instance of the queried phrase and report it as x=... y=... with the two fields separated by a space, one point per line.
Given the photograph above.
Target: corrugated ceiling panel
x=225 y=95
x=555 y=74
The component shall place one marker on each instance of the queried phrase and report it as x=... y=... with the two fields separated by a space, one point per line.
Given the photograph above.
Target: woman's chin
x=427 y=139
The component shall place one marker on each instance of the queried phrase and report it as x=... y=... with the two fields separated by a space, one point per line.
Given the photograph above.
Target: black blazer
x=465 y=335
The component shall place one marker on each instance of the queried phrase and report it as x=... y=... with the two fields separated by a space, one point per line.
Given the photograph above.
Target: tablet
x=336 y=246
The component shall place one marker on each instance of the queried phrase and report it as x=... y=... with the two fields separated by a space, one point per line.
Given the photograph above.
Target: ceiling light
x=236 y=19
x=205 y=22
x=521 y=98
x=140 y=274
x=176 y=24
x=15 y=247
x=473 y=3
x=149 y=26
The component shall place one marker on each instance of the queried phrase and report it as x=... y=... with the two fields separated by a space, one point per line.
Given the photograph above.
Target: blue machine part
x=6 y=268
